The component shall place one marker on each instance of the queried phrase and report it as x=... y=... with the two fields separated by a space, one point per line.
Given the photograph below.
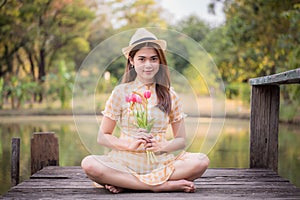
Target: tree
x=12 y=35
x=256 y=27
x=137 y=13
x=193 y=27
x=259 y=37
x=43 y=30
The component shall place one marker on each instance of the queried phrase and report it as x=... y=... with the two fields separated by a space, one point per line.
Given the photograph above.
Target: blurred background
x=44 y=42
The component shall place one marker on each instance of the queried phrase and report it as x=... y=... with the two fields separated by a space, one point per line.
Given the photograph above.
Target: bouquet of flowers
x=139 y=108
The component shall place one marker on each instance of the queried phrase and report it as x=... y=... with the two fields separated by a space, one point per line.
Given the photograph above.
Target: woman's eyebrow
x=154 y=56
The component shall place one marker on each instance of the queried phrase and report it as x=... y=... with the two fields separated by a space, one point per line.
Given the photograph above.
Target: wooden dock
x=261 y=181
x=55 y=182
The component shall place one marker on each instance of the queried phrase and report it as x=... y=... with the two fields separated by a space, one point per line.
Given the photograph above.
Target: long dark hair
x=162 y=77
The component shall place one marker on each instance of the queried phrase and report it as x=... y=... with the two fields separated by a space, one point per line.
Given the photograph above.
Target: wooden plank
x=15 y=161
x=76 y=172
x=215 y=184
x=211 y=192
x=73 y=172
x=67 y=184
x=44 y=151
x=288 y=77
x=264 y=127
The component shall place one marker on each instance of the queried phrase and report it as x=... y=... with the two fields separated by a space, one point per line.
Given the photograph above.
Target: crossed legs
x=187 y=169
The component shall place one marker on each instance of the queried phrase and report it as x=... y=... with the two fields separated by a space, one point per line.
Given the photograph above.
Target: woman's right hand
x=143 y=137
x=143 y=134
x=134 y=145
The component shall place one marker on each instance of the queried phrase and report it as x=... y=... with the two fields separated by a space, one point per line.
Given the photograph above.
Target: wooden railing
x=264 y=117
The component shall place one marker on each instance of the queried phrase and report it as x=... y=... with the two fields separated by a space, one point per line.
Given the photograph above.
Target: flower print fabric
x=136 y=162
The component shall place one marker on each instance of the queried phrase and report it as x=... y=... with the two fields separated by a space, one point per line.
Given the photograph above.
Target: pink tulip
x=133 y=98
x=128 y=98
x=147 y=94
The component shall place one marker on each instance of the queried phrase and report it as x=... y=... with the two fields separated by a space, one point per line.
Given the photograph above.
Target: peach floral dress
x=136 y=162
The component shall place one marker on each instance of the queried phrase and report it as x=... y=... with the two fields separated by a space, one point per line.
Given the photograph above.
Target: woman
x=127 y=166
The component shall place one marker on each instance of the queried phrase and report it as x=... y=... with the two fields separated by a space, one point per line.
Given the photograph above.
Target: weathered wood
x=72 y=183
x=264 y=127
x=288 y=77
x=44 y=151
x=15 y=161
x=264 y=117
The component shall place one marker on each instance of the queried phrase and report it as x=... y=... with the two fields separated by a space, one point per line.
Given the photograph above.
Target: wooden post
x=15 y=161
x=264 y=126
x=44 y=151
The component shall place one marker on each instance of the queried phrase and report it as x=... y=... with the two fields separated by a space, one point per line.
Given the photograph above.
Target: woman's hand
x=155 y=145
x=142 y=137
x=134 y=145
x=143 y=134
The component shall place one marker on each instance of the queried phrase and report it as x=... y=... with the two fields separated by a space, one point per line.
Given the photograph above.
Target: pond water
x=231 y=150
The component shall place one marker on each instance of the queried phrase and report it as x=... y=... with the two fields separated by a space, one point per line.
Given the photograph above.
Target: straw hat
x=142 y=36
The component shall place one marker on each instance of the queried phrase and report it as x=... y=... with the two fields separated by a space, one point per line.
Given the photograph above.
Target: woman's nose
x=147 y=63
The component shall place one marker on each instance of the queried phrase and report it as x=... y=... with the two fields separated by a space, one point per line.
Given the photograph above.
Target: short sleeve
x=113 y=106
x=176 y=113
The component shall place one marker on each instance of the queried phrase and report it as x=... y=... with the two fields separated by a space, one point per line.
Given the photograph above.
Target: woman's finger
x=148 y=145
x=146 y=139
x=142 y=130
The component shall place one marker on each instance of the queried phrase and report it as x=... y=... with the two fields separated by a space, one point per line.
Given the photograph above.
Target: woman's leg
x=117 y=179
x=190 y=166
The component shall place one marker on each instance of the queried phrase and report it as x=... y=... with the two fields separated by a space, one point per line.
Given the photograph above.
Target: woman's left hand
x=154 y=145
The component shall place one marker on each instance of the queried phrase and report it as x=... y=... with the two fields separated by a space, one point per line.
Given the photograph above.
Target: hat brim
x=161 y=43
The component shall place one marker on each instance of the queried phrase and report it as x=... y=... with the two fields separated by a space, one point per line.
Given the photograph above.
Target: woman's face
x=146 y=64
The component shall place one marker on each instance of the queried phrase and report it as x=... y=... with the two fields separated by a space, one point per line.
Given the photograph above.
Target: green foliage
x=60 y=85
x=137 y=13
x=259 y=38
x=194 y=27
x=43 y=32
x=20 y=91
x=238 y=91
x=260 y=32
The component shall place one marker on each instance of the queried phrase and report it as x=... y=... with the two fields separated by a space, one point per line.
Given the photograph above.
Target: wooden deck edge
x=288 y=77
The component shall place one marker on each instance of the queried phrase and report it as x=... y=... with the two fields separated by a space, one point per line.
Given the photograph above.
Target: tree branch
x=3 y=3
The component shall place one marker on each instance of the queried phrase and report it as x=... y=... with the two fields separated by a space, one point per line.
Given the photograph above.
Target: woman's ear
x=130 y=60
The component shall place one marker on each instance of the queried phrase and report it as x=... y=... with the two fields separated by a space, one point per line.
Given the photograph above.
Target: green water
x=231 y=150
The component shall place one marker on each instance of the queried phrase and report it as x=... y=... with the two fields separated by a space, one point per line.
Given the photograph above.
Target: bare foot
x=180 y=185
x=114 y=189
x=97 y=185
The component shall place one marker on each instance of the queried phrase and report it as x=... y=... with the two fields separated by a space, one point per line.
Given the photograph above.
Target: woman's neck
x=148 y=83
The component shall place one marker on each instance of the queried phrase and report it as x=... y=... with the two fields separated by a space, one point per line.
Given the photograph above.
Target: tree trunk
x=42 y=72
x=8 y=59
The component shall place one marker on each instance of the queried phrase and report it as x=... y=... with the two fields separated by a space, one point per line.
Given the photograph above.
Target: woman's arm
x=106 y=138
x=177 y=143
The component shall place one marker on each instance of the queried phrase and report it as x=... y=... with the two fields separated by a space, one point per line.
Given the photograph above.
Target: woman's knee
x=90 y=165
x=87 y=163
x=205 y=161
x=201 y=162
